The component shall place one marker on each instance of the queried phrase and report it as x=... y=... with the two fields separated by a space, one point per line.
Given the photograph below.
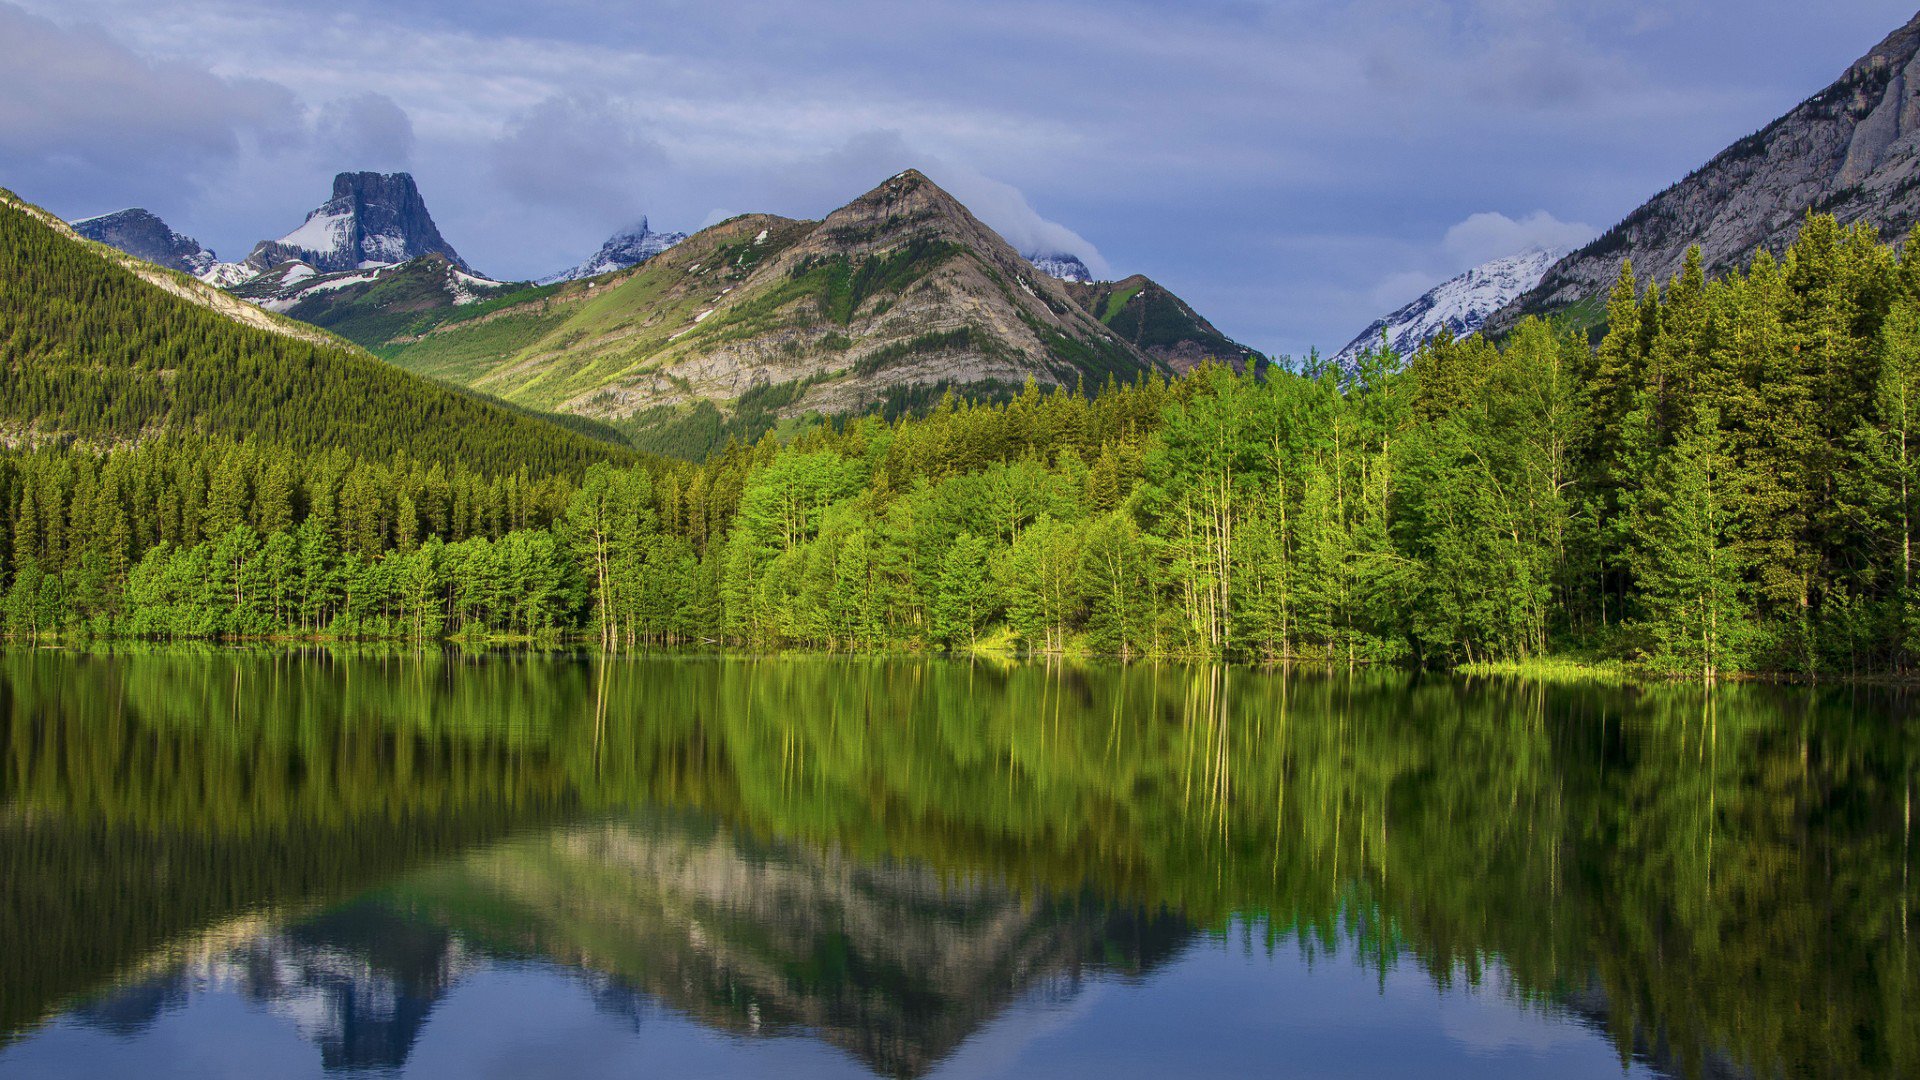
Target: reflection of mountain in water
x=887 y=961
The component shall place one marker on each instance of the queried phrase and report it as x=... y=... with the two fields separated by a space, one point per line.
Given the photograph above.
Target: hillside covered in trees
x=92 y=351
x=1725 y=482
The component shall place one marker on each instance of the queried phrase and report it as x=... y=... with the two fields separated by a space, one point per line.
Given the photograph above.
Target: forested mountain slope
x=105 y=348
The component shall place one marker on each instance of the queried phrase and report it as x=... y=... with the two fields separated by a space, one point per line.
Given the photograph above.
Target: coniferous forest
x=1727 y=480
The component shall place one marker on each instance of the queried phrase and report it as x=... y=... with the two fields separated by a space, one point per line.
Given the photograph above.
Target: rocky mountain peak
x=143 y=235
x=1058 y=264
x=372 y=219
x=1459 y=306
x=1893 y=51
x=626 y=248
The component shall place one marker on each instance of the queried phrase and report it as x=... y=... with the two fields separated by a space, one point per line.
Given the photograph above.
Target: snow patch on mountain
x=1460 y=305
x=225 y=275
x=1060 y=265
x=629 y=247
x=325 y=232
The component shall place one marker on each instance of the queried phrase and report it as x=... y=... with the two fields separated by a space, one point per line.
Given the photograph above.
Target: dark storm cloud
x=578 y=152
x=79 y=113
x=365 y=131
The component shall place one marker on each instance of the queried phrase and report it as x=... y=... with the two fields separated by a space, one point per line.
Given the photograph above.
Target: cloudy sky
x=1292 y=167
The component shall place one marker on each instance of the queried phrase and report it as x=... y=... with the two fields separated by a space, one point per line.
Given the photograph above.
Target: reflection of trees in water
x=1726 y=872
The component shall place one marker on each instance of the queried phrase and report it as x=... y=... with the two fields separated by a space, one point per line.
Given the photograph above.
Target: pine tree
x=1687 y=557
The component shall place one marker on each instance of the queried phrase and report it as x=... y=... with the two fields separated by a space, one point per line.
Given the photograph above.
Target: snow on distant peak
x=630 y=246
x=1061 y=265
x=225 y=275
x=1460 y=305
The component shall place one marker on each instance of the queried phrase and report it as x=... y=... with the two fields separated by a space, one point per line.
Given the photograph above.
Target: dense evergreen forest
x=1726 y=481
x=89 y=351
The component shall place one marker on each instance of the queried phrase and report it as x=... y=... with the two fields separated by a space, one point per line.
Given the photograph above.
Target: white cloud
x=1006 y=210
x=1399 y=289
x=1489 y=235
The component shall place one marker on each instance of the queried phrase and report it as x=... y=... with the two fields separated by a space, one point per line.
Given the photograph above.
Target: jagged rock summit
x=1851 y=150
x=627 y=248
x=1459 y=306
x=373 y=219
x=1063 y=266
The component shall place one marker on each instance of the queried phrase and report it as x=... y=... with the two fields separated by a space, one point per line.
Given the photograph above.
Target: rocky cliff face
x=373 y=219
x=1852 y=150
x=143 y=235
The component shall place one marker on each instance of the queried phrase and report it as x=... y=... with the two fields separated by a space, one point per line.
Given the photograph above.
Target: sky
x=1293 y=168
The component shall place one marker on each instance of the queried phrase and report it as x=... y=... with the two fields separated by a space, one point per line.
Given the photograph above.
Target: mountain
x=143 y=235
x=338 y=301
x=107 y=348
x=628 y=247
x=373 y=219
x=1459 y=306
x=1852 y=150
x=1158 y=323
x=1064 y=267
x=894 y=296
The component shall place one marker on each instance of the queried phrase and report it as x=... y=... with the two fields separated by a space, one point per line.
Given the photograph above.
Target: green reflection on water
x=1717 y=875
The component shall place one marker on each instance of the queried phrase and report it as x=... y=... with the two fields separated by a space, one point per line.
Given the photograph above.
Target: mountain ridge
x=1851 y=150
x=1459 y=305
x=896 y=296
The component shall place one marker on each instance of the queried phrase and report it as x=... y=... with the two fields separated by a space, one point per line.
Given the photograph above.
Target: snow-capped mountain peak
x=1460 y=305
x=630 y=246
x=1060 y=265
x=373 y=219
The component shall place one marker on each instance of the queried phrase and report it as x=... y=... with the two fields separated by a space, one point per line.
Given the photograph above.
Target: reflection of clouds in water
x=1493 y=1019
x=996 y=1048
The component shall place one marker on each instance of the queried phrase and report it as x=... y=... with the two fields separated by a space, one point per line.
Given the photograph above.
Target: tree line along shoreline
x=1727 y=482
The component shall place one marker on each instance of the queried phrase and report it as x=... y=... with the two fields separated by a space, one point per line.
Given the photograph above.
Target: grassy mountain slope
x=98 y=346
x=900 y=292
x=1158 y=323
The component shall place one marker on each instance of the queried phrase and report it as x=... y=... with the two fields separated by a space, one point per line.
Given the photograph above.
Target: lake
x=281 y=863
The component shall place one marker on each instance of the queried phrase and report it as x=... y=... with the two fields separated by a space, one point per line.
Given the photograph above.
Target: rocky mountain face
x=1064 y=267
x=144 y=236
x=627 y=248
x=1851 y=150
x=373 y=219
x=1159 y=323
x=1459 y=306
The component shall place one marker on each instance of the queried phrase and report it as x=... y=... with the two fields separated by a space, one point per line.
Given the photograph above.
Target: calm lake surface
x=307 y=864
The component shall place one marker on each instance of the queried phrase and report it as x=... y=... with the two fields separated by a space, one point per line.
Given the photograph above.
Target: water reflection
x=899 y=859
